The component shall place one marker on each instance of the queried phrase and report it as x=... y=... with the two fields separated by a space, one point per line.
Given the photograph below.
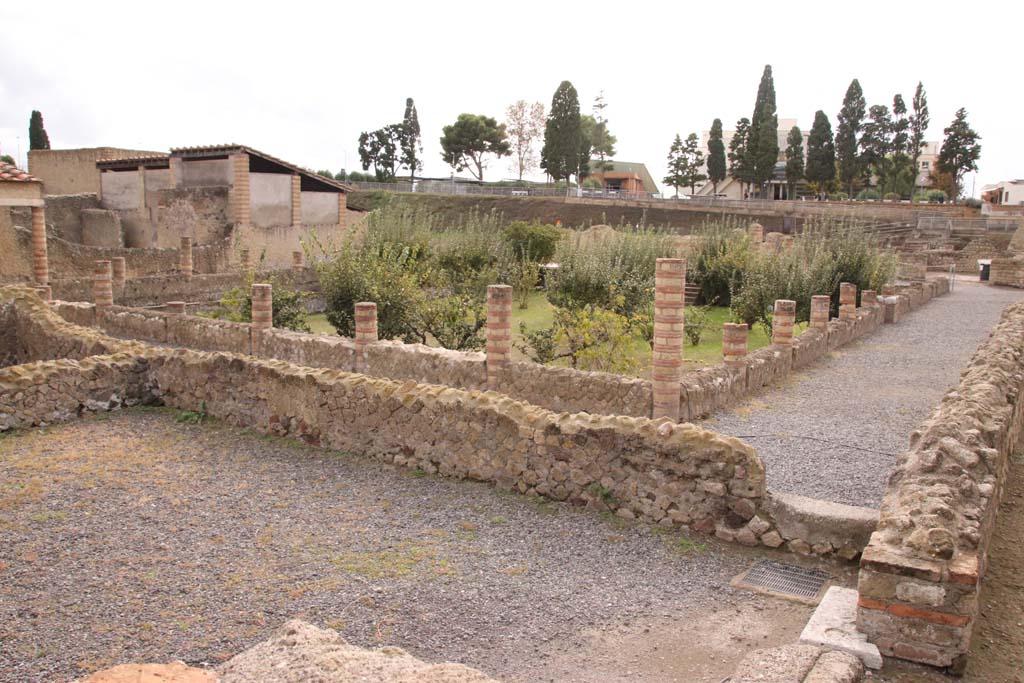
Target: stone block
x=818 y=522
x=101 y=228
x=834 y=626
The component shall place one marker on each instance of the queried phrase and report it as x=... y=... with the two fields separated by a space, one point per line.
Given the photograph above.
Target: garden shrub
x=532 y=240
x=719 y=260
x=938 y=196
x=289 y=304
x=972 y=203
x=868 y=193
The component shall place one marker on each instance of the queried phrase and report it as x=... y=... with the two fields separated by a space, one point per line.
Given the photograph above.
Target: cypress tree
x=763 y=143
x=919 y=121
x=738 y=168
x=960 y=150
x=821 y=153
x=794 y=158
x=716 y=155
x=37 y=137
x=851 y=119
x=412 y=148
x=563 y=140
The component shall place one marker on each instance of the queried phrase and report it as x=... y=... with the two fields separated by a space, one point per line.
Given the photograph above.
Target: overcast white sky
x=300 y=80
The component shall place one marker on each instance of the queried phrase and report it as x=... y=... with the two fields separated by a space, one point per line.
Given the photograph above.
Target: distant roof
x=628 y=167
x=11 y=173
x=163 y=160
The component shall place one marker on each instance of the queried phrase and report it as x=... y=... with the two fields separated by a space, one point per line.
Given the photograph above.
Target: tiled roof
x=234 y=148
x=13 y=173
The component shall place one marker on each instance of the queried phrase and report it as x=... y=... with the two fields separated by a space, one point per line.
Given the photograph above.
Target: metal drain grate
x=785 y=580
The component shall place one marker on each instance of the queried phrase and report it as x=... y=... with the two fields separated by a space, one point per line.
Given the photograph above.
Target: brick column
x=342 y=210
x=820 y=308
x=297 y=260
x=296 y=199
x=262 y=313
x=118 y=268
x=667 y=361
x=175 y=307
x=869 y=297
x=756 y=232
x=499 y=332
x=185 y=258
x=783 y=319
x=734 y=343
x=239 y=207
x=366 y=331
x=888 y=290
x=40 y=263
x=243 y=259
x=102 y=292
x=45 y=292
x=847 y=300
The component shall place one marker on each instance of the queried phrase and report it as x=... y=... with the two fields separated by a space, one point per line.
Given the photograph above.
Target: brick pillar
x=102 y=292
x=342 y=210
x=499 y=332
x=888 y=290
x=869 y=297
x=783 y=319
x=185 y=258
x=787 y=242
x=366 y=331
x=734 y=343
x=45 y=292
x=175 y=307
x=118 y=268
x=239 y=207
x=262 y=313
x=297 y=260
x=667 y=361
x=296 y=199
x=847 y=300
x=243 y=259
x=40 y=264
x=756 y=232
x=820 y=305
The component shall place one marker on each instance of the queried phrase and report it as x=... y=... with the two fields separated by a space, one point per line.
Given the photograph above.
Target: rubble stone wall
x=921 y=573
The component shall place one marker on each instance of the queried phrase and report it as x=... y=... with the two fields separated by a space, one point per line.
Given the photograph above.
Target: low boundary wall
x=921 y=574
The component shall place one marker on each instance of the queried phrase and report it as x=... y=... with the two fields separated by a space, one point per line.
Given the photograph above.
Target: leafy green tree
x=588 y=124
x=37 y=137
x=919 y=122
x=412 y=147
x=821 y=154
x=960 y=150
x=676 y=177
x=900 y=126
x=7 y=158
x=763 y=142
x=602 y=143
x=794 y=158
x=381 y=149
x=716 y=155
x=694 y=162
x=876 y=144
x=473 y=136
x=325 y=173
x=525 y=124
x=851 y=120
x=563 y=137
x=739 y=167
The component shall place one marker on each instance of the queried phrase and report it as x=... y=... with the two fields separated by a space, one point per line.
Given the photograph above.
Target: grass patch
x=392 y=563
x=688 y=546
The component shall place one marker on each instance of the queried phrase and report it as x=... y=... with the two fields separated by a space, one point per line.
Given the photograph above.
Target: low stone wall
x=921 y=573
x=1008 y=272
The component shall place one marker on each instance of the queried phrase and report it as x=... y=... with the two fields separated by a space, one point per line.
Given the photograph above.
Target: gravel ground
x=832 y=431
x=130 y=537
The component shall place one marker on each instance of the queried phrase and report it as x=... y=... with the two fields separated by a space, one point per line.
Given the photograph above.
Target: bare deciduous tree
x=525 y=125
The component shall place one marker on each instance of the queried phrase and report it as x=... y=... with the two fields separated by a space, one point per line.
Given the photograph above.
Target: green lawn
x=540 y=313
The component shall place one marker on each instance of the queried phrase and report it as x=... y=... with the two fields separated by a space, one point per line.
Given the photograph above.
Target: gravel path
x=832 y=431
x=131 y=537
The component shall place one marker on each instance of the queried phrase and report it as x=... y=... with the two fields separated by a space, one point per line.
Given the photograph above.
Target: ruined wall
x=73 y=171
x=319 y=208
x=270 y=199
x=1008 y=272
x=921 y=574
x=205 y=172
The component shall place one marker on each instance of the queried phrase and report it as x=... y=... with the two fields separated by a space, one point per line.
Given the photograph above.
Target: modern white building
x=777 y=185
x=1004 y=193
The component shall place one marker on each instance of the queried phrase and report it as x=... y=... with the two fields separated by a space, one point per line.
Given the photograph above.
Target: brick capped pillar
x=262 y=312
x=342 y=210
x=239 y=207
x=499 y=332
x=297 y=260
x=118 y=269
x=820 y=308
x=869 y=297
x=45 y=292
x=366 y=331
x=667 y=361
x=734 y=343
x=175 y=307
x=783 y=319
x=185 y=258
x=756 y=232
x=296 y=199
x=847 y=300
x=888 y=290
x=102 y=291
x=40 y=263
x=243 y=259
